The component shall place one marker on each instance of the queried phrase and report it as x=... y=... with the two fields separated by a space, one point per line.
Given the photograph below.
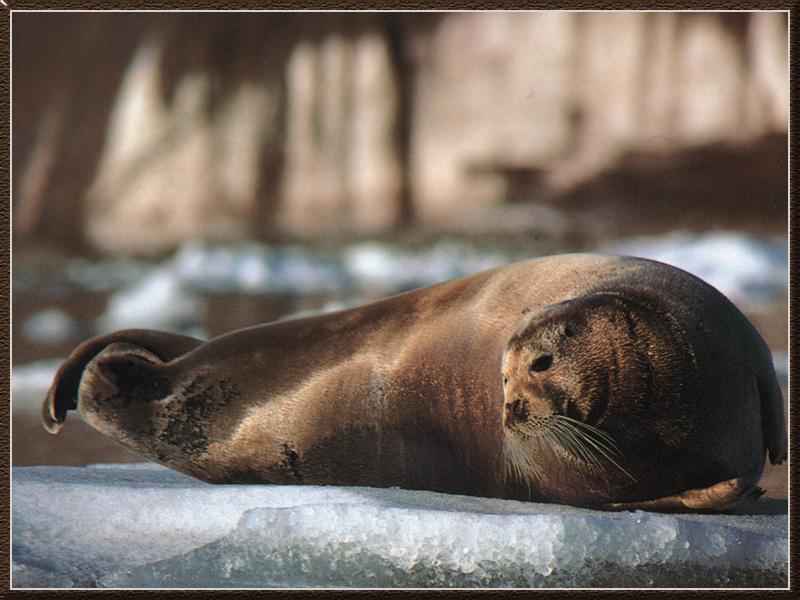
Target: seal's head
x=590 y=385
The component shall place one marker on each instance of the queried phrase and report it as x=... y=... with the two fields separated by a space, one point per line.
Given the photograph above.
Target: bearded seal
x=599 y=381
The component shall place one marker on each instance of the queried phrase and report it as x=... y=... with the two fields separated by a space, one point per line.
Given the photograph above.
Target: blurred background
x=201 y=172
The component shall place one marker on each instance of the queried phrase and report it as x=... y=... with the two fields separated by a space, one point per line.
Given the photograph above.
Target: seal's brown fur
x=674 y=387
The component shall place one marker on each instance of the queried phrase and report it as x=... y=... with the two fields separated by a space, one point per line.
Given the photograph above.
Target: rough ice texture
x=146 y=526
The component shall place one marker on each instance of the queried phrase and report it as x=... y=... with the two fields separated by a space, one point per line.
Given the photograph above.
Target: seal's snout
x=517 y=411
x=524 y=409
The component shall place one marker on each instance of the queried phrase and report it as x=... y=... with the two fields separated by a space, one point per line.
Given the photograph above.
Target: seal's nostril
x=521 y=409
x=510 y=413
x=517 y=410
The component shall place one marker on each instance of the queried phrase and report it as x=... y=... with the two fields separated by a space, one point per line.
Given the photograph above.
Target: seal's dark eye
x=568 y=331
x=542 y=363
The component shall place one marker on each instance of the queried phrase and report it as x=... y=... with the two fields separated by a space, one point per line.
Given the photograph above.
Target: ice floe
x=146 y=526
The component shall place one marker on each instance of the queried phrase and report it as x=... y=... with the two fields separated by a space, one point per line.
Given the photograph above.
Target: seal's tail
x=63 y=393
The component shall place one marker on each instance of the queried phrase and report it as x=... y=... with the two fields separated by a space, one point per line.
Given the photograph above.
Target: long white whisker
x=591 y=428
x=520 y=462
x=597 y=444
x=572 y=442
x=598 y=436
x=590 y=448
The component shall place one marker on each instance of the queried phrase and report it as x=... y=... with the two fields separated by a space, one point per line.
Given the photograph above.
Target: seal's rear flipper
x=726 y=496
x=63 y=393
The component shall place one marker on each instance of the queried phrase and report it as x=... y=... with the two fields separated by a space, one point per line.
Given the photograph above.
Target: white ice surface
x=146 y=526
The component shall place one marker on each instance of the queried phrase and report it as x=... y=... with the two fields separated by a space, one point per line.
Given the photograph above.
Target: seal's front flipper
x=63 y=393
x=726 y=496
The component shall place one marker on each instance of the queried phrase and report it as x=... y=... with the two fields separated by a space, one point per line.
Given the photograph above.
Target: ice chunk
x=34 y=376
x=384 y=268
x=742 y=266
x=105 y=275
x=158 y=301
x=50 y=325
x=254 y=268
x=747 y=268
x=146 y=526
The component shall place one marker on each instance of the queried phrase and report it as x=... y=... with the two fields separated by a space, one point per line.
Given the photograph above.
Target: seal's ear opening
x=63 y=393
